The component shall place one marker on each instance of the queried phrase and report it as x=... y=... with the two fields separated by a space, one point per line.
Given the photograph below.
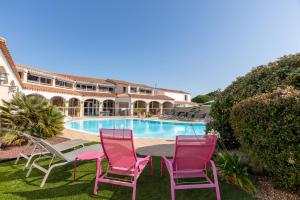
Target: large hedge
x=265 y=78
x=268 y=128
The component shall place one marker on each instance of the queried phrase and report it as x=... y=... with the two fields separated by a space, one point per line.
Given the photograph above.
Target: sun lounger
x=38 y=149
x=64 y=158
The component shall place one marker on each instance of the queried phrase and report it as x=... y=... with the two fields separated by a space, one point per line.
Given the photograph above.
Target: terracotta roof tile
x=185 y=102
x=65 y=91
x=66 y=76
x=144 y=96
x=114 y=81
x=97 y=94
x=9 y=58
x=85 y=79
x=49 y=89
x=171 y=90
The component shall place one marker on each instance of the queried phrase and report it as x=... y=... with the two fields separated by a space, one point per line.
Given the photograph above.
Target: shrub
x=268 y=128
x=33 y=115
x=233 y=171
x=263 y=79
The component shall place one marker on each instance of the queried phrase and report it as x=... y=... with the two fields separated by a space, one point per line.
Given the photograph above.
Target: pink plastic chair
x=122 y=160
x=192 y=158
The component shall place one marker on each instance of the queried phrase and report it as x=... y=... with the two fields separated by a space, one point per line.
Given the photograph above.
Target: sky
x=192 y=45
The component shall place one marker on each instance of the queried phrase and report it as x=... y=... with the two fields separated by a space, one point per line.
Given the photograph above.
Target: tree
x=32 y=115
x=201 y=99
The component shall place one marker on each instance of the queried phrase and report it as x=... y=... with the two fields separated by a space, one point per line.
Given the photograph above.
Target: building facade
x=79 y=96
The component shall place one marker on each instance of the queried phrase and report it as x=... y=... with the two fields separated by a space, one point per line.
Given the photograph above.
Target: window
x=85 y=87
x=45 y=81
x=60 y=83
x=90 y=87
x=105 y=89
x=33 y=78
x=133 y=90
x=186 y=97
x=21 y=74
x=145 y=91
x=124 y=89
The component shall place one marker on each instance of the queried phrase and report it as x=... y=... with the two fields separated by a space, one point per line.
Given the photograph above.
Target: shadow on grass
x=61 y=186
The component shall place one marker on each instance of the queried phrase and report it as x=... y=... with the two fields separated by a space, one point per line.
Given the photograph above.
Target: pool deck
x=153 y=147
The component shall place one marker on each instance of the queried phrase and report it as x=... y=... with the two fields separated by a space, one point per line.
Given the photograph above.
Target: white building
x=85 y=96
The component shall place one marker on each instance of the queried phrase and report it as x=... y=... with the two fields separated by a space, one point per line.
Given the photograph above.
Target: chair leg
x=29 y=171
x=49 y=170
x=18 y=158
x=29 y=160
x=162 y=169
x=74 y=177
x=151 y=166
x=98 y=173
x=216 y=182
x=134 y=191
x=172 y=192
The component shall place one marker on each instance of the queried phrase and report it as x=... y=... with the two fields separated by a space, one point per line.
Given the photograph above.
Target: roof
x=96 y=94
x=115 y=81
x=143 y=96
x=65 y=91
x=65 y=76
x=185 y=102
x=49 y=89
x=171 y=90
x=9 y=58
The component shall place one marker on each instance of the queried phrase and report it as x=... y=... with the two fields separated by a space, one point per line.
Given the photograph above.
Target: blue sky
x=193 y=45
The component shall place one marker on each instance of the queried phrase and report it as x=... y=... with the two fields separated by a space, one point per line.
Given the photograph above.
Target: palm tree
x=30 y=114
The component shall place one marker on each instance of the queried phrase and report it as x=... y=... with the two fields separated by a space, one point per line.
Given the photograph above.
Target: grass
x=14 y=185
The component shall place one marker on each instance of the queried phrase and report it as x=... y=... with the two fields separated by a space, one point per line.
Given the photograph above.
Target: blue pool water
x=141 y=128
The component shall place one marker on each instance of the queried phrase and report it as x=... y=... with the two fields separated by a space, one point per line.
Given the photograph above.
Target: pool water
x=141 y=128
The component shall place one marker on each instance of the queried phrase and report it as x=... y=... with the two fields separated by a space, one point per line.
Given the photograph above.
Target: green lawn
x=14 y=185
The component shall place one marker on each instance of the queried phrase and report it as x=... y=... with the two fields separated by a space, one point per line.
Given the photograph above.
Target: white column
x=161 y=108
x=131 y=108
x=147 y=107
x=100 y=107
x=66 y=108
x=81 y=108
x=53 y=82
x=25 y=76
x=116 y=108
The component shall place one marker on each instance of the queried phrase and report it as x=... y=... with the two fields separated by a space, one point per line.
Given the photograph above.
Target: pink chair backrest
x=118 y=148
x=193 y=152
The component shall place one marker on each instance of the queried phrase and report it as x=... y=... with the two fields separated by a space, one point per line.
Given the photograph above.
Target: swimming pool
x=141 y=128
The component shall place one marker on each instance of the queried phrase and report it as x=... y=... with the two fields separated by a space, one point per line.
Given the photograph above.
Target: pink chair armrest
x=169 y=166
x=140 y=162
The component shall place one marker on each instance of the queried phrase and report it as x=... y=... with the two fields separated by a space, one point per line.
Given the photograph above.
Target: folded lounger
x=38 y=149
x=64 y=158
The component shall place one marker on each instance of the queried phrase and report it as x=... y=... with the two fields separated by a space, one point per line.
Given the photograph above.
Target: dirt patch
x=265 y=191
x=13 y=151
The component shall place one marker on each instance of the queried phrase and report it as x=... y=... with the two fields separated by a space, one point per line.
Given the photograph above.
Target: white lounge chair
x=65 y=158
x=38 y=149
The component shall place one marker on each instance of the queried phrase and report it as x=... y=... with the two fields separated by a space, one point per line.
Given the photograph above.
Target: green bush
x=233 y=171
x=268 y=129
x=32 y=115
x=263 y=79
